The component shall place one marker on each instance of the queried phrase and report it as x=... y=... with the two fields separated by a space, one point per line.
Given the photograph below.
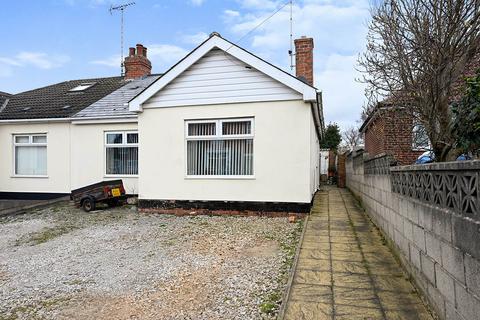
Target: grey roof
x=57 y=101
x=116 y=103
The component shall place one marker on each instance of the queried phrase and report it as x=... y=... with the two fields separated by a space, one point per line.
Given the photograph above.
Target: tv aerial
x=121 y=8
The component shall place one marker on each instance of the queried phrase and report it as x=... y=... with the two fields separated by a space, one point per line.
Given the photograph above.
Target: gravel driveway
x=61 y=263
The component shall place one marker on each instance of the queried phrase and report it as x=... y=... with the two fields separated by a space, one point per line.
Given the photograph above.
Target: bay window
x=30 y=154
x=121 y=153
x=222 y=148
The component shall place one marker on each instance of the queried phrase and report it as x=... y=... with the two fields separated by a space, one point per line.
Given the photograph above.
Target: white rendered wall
x=282 y=159
x=75 y=157
x=58 y=159
x=88 y=155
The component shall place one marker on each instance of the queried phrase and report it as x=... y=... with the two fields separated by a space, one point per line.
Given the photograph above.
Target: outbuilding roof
x=61 y=100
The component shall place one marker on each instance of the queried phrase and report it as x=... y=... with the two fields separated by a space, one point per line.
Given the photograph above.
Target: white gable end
x=218 y=77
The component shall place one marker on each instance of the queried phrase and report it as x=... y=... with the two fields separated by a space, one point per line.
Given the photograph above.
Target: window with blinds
x=121 y=153
x=220 y=147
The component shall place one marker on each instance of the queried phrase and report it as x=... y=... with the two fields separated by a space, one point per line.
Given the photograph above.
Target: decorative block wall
x=431 y=214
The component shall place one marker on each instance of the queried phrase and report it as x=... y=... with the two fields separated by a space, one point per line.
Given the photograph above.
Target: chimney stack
x=304 y=59
x=137 y=64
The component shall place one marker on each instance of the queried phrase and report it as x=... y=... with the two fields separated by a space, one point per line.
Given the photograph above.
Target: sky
x=49 y=41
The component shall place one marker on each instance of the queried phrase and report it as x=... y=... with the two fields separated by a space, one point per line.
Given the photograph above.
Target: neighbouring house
x=391 y=128
x=221 y=129
x=3 y=99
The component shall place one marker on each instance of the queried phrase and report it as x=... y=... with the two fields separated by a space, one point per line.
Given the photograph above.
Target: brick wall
x=438 y=240
x=374 y=136
x=341 y=170
x=390 y=132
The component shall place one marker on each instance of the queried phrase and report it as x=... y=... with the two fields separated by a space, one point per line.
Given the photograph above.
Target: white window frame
x=30 y=143
x=218 y=136
x=118 y=145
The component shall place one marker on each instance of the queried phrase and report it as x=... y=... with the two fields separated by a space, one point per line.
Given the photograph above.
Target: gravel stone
x=61 y=263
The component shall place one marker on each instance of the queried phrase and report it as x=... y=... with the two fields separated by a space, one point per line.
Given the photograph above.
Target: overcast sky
x=49 y=41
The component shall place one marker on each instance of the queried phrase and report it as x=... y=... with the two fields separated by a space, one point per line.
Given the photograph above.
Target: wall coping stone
x=441 y=166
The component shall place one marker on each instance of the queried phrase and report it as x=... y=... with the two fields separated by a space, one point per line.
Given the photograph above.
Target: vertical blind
x=228 y=152
x=121 y=153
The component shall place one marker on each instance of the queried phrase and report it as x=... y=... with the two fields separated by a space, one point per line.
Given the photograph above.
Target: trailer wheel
x=88 y=204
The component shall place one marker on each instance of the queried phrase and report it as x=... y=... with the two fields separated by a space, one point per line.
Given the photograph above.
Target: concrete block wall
x=439 y=248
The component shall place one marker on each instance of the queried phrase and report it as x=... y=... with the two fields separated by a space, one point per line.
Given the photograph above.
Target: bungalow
x=220 y=129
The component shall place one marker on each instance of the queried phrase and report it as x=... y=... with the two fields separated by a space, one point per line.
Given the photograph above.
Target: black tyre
x=88 y=205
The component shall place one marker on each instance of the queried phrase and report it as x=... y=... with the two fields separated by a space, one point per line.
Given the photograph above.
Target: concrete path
x=345 y=271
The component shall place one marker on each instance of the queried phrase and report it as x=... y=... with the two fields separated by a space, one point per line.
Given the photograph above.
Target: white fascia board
x=309 y=93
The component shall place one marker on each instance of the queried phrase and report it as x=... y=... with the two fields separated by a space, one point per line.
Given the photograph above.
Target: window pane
x=22 y=139
x=220 y=157
x=31 y=160
x=237 y=127
x=132 y=137
x=39 y=139
x=201 y=129
x=420 y=138
x=122 y=160
x=114 y=138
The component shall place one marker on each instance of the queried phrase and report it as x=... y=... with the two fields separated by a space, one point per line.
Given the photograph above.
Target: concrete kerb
x=23 y=209
x=286 y=293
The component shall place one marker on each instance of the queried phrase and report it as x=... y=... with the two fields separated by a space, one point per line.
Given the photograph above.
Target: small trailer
x=109 y=192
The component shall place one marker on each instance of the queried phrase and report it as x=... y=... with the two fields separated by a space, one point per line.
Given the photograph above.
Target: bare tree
x=351 y=138
x=416 y=51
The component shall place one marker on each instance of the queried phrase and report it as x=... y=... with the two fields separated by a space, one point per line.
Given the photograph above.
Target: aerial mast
x=290 y=52
x=121 y=8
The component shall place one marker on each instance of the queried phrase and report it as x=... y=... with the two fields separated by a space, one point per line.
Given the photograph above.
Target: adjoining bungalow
x=221 y=129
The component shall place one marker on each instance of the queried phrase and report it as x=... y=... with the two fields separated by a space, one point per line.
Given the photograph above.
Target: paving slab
x=344 y=270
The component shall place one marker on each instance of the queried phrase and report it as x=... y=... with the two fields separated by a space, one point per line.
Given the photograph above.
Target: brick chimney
x=304 y=59
x=137 y=64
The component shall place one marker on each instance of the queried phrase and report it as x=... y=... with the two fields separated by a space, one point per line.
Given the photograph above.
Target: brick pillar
x=341 y=170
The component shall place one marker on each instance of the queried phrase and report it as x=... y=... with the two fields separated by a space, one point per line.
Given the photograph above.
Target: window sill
x=121 y=176
x=220 y=178
x=29 y=176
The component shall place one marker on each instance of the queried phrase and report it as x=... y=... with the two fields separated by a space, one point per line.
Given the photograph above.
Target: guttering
x=7 y=121
x=94 y=120
x=317 y=117
x=132 y=118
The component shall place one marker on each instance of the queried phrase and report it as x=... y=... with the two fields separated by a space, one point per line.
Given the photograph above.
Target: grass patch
x=45 y=235
x=271 y=303
x=31 y=311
